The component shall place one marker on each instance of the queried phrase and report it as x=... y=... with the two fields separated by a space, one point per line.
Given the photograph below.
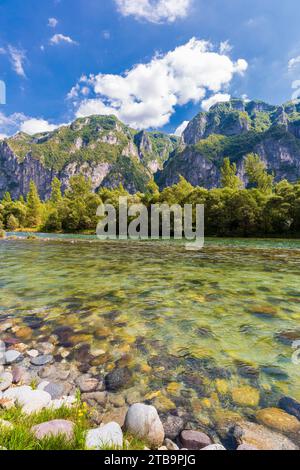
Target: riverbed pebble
x=118 y=379
x=86 y=383
x=194 y=440
x=261 y=437
x=41 y=360
x=290 y=405
x=12 y=356
x=278 y=420
x=6 y=380
x=214 y=447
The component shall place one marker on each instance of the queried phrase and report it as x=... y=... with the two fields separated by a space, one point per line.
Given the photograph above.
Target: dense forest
x=262 y=209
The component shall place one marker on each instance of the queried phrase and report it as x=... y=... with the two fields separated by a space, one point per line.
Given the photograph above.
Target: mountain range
x=109 y=152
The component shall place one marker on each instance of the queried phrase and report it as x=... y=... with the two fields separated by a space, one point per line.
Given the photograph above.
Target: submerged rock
x=118 y=379
x=246 y=396
x=143 y=422
x=42 y=360
x=290 y=405
x=173 y=426
x=278 y=420
x=261 y=437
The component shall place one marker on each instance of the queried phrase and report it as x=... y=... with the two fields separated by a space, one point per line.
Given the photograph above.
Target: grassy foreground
x=20 y=436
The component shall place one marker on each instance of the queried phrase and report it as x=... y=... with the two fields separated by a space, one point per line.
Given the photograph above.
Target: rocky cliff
x=233 y=130
x=99 y=147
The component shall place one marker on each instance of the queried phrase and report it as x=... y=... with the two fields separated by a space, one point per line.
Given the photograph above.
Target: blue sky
x=76 y=63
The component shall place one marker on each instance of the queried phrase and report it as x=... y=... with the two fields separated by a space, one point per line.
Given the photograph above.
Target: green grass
x=21 y=437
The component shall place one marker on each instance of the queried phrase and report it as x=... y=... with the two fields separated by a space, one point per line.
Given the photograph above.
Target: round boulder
x=57 y=427
x=143 y=422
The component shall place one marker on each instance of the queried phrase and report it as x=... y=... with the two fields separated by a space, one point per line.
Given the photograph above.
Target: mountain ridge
x=235 y=129
x=110 y=153
x=99 y=147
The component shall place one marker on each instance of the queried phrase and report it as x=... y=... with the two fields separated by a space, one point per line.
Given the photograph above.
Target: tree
x=257 y=173
x=12 y=223
x=229 y=178
x=178 y=193
x=56 y=196
x=33 y=206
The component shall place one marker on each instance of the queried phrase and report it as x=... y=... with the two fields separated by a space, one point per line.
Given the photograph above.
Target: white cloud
x=146 y=95
x=155 y=11
x=17 y=58
x=35 y=126
x=10 y=124
x=3 y=136
x=180 y=129
x=296 y=87
x=294 y=62
x=17 y=122
x=225 y=47
x=60 y=38
x=52 y=22
x=218 y=98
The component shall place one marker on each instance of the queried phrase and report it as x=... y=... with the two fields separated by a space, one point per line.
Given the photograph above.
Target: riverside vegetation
x=265 y=208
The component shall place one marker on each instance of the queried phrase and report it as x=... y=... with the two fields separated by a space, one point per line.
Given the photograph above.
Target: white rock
x=143 y=422
x=68 y=402
x=31 y=401
x=33 y=353
x=5 y=424
x=109 y=435
x=214 y=447
x=6 y=379
x=43 y=385
x=12 y=356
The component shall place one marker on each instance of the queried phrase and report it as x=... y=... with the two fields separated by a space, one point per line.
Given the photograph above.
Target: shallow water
x=186 y=323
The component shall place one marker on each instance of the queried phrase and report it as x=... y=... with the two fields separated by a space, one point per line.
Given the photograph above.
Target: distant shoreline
x=210 y=242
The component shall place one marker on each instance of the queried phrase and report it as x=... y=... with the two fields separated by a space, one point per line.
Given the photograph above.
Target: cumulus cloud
x=217 y=98
x=14 y=123
x=294 y=62
x=60 y=38
x=155 y=11
x=11 y=124
x=17 y=58
x=146 y=96
x=52 y=22
x=3 y=136
x=35 y=126
x=180 y=129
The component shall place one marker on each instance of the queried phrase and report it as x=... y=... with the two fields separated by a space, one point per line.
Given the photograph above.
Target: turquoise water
x=193 y=327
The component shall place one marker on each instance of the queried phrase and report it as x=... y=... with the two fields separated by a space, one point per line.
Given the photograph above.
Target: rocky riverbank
x=38 y=376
